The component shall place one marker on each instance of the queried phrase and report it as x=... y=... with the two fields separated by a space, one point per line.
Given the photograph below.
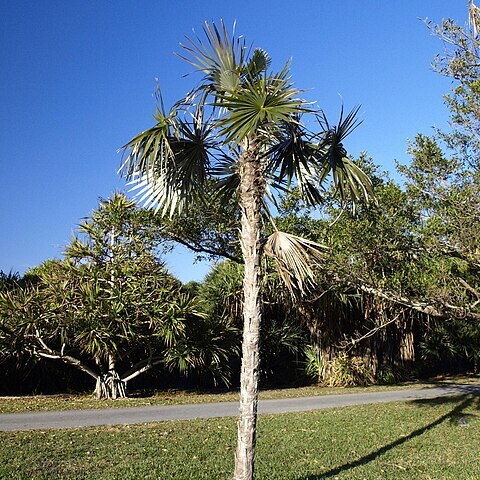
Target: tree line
x=395 y=294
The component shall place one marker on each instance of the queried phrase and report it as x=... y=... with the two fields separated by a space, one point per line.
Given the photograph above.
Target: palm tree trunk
x=251 y=191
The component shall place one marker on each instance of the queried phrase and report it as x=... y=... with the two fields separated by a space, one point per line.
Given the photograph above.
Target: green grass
x=178 y=397
x=416 y=440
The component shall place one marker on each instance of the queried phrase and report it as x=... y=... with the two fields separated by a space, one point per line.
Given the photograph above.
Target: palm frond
x=168 y=164
x=336 y=134
x=262 y=101
x=294 y=258
x=258 y=63
x=219 y=57
x=150 y=145
x=225 y=164
x=226 y=171
x=289 y=153
x=291 y=158
x=348 y=178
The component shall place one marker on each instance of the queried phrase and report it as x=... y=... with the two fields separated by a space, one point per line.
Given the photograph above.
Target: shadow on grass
x=454 y=416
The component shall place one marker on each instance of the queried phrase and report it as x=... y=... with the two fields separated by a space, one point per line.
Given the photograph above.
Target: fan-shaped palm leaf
x=259 y=62
x=149 y=146
x=265 y=100
x=167 y=165
x=294 y=258
x=291 y=158
x=220 y=58
x=226 y=170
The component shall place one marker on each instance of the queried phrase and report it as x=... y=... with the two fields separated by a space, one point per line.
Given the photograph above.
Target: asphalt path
x=134 y=415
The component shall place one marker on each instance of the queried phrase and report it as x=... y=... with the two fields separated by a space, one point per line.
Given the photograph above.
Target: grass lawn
x=416 y=440
x=177 y=397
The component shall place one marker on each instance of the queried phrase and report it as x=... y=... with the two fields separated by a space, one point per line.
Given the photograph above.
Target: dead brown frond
x=295 y=259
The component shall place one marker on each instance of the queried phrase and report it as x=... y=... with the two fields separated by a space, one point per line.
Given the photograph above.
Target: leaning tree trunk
x=251 y=191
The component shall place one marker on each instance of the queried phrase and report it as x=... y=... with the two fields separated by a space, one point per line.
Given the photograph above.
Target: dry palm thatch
x=294 y=258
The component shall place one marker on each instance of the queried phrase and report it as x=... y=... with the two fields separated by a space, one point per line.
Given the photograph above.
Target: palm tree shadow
x=453 y=416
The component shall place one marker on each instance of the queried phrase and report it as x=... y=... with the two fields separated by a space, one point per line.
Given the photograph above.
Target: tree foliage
x=111 y=304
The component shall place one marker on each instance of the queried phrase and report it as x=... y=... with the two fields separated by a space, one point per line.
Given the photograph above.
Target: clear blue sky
x=77 y=79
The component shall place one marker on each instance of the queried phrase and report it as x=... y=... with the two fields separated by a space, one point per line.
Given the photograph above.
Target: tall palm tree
x=243 y=125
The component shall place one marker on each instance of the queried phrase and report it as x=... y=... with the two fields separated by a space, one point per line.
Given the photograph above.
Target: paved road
x=132 y=415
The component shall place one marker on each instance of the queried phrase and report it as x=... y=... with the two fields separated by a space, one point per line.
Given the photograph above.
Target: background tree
x=112 y=305
x=371 y=251
x=242 y=126
x=415 y=256
x=443 y=179
x=9 y=280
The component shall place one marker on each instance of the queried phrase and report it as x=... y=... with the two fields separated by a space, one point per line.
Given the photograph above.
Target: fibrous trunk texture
x=251 y=191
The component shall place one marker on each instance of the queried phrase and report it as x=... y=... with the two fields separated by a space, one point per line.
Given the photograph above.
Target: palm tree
x=243 y=126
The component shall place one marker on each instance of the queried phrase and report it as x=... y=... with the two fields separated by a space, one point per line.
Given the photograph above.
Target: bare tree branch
x=135 y=373
x=441 y=311
x=46 y=352
x=195 y=247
